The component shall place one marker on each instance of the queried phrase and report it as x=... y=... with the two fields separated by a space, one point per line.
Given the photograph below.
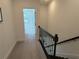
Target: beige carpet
x=29 y=49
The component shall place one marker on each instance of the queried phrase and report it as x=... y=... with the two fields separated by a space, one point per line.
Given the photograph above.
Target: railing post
x=55 y=42
x=39 y=32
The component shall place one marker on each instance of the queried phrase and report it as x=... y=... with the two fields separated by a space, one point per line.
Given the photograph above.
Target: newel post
x=55 y=43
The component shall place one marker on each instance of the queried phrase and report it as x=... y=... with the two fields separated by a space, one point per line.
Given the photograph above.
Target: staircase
x=56 y=57
x=48 y=43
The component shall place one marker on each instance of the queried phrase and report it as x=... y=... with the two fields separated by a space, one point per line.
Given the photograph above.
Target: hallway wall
x=41 y=15
x=64 y=20
x=18 y=7
x=44 y=16
x=7 y=33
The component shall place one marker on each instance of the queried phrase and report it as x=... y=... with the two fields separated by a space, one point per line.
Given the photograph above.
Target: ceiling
x=45 y=1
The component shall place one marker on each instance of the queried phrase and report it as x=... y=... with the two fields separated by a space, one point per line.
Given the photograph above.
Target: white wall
x=18 y=7
x=7 y=34
x=64 y=20
x=44 y=16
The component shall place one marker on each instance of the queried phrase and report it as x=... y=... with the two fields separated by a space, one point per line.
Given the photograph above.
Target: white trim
x=10 y=50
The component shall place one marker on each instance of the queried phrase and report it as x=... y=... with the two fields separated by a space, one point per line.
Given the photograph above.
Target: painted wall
x=44 y=16
x=7 y=33
x=64 y=20
x=41 y=15
x=18 y=9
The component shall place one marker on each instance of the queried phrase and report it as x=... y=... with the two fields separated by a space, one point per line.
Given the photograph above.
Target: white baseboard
x=10 y=50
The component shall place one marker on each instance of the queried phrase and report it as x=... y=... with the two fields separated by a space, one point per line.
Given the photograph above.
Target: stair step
x=57 y=57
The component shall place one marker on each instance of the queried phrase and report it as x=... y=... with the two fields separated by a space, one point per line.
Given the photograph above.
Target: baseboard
x=10 y=50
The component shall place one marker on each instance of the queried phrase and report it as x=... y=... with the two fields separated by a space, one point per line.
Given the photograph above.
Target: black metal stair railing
x=48 y=43
x=47 y=39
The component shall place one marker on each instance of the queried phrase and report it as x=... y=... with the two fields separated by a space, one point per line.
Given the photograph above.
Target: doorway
x=29 y=21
